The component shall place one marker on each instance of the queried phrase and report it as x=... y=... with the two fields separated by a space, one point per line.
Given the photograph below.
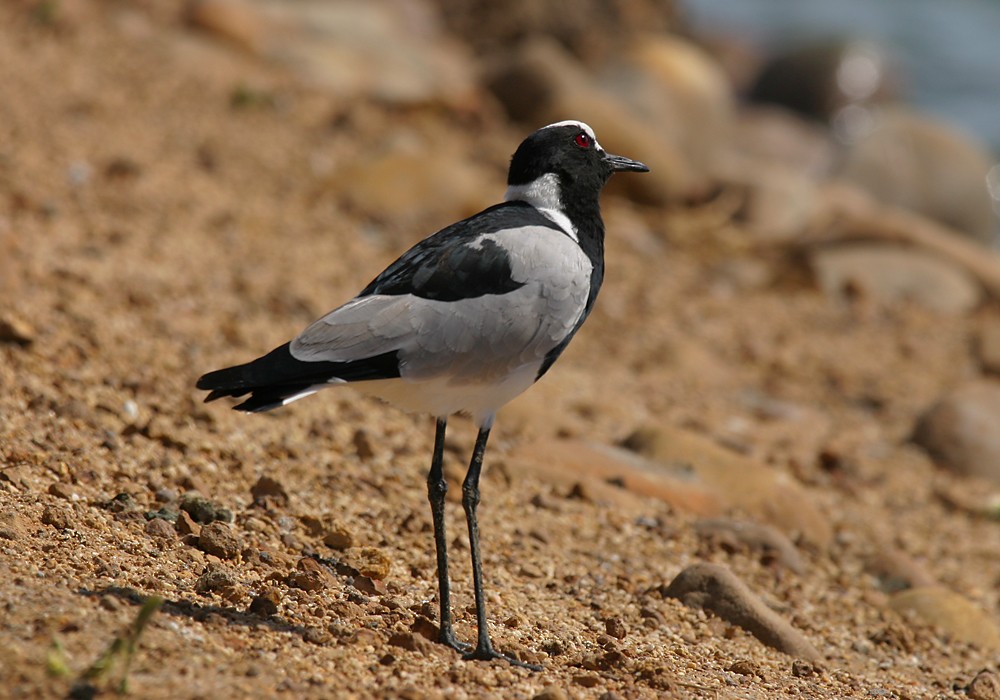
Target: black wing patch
x=278 y=375
x=457 y=262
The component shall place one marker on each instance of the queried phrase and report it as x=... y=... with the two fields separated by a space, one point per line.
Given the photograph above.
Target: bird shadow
x=197 y=612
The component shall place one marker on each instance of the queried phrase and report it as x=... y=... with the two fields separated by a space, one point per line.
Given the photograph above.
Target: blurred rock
x=985 y=686
x=679 y=90
x=951 y=613
x=411 y=642
x=13 y=525
x=14 y=329
x=737 y=481
x=269 y=493
x=779 y=203
x=737 y=534
x=552 y=692
x=203 y=510
x=897 y=571
x=715 y=588
x=594 y=30
x=63 y=491
x=822 y=81
x=435 y=180
x=392 y=52
x=914 y=162
x=540 y=83
x=892 y=274
x=988 y=346
x=238 y=21
x=59 y=518
x=772 y=137
x=960 y=431
x=333 y=531
x=596 y=472
x=338 y=536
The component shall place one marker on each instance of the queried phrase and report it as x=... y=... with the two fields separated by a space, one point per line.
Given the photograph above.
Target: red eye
x=582 y=140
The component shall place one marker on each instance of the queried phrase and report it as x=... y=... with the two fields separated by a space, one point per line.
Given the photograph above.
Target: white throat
x=544 y=194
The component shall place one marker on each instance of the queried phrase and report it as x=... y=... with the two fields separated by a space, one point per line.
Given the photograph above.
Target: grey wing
x=474 y=339
x=363 y=327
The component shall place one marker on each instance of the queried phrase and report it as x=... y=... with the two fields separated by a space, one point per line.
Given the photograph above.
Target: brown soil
x=153 y=228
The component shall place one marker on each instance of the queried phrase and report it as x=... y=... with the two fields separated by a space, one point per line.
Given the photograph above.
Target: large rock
x=988 y=346
x=919 y=164
x=433 y=179
x=673 y=85
x=951 y=613
x=960 y=431
x=823 y=80
x=764 y=539
x=738 y=481
x=353 y=48
x=892 y=274
x=715 y=588
x=611 y=475
x=595 y=30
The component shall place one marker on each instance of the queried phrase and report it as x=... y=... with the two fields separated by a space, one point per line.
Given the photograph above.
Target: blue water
x=948 y=51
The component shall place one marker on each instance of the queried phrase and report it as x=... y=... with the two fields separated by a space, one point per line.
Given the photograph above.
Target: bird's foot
x=448 y=638
x=488 y=653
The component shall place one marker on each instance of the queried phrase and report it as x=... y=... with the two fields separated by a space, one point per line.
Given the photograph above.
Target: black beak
x=620 y=163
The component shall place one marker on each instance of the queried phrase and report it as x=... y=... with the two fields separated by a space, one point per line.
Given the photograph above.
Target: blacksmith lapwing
x=463 y=322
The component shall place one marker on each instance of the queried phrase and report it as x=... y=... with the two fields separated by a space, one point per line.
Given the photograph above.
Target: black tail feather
x=278 y=375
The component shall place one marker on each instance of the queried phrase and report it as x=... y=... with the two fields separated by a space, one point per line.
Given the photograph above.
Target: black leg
x=437 y=489
x=470 y=500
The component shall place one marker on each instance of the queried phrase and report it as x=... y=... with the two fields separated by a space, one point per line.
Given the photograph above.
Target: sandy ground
x=152 y=228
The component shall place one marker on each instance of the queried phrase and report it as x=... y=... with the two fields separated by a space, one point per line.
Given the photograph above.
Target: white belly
x=443 y=396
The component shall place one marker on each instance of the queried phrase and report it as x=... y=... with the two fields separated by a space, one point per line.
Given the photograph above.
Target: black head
x=568 y=150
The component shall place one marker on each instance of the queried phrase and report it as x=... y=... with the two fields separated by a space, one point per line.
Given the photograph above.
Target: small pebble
x=63 y=491
x=370 y=586
x=985 y=686
x=122 y=503
x=266 y=603
x=269 y=493
x=218 y=539
x=167 y=514
x=370 y=562
x=363 y=445
x=746 y=667
x=410 y=642
x=158 y=527
x=615 y=627
x=216 y=578
x=165 y=495
x=186 y=525
x=204 y=511
x=310 y=575
x=338 y=536
x=16 y=330
x=57 y=518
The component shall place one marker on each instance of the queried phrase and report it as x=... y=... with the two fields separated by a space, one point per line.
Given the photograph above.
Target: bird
x=461 y=323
